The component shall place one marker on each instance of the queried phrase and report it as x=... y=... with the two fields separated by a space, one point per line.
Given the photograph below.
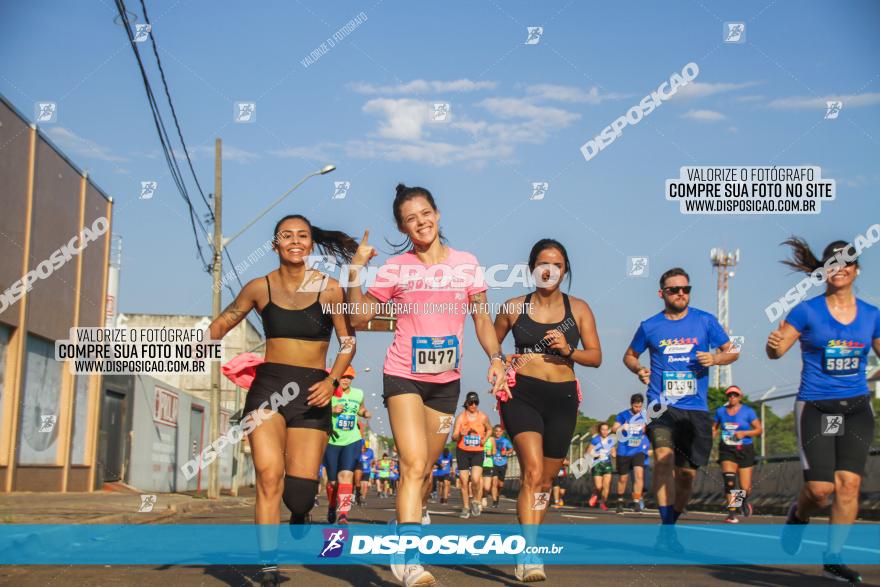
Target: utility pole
x=724 y=263
x=217 y=270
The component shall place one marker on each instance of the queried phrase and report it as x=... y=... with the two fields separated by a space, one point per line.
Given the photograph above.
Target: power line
x=164 y=140
x=173 y=111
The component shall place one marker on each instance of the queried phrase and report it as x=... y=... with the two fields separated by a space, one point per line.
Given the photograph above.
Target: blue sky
x=519 y=115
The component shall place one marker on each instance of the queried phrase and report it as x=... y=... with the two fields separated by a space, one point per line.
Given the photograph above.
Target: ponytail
x=333 y=243
x=803 y=260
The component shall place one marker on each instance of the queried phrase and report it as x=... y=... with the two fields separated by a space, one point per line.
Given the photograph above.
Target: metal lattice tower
x=723 y=262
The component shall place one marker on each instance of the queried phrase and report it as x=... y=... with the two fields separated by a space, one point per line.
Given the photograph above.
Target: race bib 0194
x=434 y=354
x=679 y=383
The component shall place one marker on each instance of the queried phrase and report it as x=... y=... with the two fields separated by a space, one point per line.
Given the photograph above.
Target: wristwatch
x=335 y=382
x=570 y=352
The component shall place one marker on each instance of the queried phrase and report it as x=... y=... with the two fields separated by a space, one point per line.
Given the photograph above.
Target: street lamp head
x=327 y=169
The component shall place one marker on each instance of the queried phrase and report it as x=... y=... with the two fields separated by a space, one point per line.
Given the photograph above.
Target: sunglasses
x=677 y=289
x=472 y=403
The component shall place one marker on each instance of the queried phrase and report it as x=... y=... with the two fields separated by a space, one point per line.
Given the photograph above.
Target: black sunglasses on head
x=677 y=289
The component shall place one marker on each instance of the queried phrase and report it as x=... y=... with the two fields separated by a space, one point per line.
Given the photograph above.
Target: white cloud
x=319 y=152
x=404 y=118
x=849 y=101
x=749 y=98
x=703 y=115
x=570 y=94
x=701 y=90
x=421 y=86
x=70 y=142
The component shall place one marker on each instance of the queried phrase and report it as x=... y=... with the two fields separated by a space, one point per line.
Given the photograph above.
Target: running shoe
x=484 y=503
x=530 y=570
x=342 y=520
x=331 y=515
x=271 y=578
x=731 y=518
x=793 y=531
x=465 y=513
x=495 y=504
x=556 y=505
x=840 y=572
x=746 y=509
x=417 y=575
x=475 y=508
x=641 y=505
x=316 y=501
x=593 y=499
x=619 y=508
x=667 y=540
x=603 y=507
x=561 y=502
x=638 y=506
x=426 y=516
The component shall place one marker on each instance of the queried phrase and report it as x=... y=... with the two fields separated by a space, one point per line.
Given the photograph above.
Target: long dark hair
x=803 y=259
x=549 y=243
x=404 y=194
x=334 y=243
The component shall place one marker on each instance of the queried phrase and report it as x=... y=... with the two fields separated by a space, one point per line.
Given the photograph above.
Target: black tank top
x=528 y=334
x=309 y=323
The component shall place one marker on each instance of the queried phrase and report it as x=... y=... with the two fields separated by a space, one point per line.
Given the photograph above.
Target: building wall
x=48 y=416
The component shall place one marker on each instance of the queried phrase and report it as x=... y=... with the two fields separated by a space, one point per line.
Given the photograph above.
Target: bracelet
x=570 y=352
x=499 y=355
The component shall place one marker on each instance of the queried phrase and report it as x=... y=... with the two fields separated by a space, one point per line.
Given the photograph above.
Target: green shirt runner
x=345 y=423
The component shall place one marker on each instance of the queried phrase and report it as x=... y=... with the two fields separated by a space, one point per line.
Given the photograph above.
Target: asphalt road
x=379 y=511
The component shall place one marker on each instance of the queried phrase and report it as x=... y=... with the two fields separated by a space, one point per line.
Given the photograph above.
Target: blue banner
x=438 y=544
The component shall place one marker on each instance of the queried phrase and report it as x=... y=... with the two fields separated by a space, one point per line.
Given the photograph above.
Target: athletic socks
x=411 y=556
x=331 y=495
x=343 y=498
x=667 y=514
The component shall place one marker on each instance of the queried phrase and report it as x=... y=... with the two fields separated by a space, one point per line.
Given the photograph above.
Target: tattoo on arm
x=346 y=344
x=233 y=314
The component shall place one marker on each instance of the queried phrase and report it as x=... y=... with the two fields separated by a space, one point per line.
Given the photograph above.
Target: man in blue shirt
x=503 y=449
x=680 y=340
x=629 y=426
x=738 y=424
x=440 y=474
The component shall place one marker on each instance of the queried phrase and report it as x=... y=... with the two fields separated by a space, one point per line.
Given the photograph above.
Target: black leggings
x=549 y=409
x=834 y=435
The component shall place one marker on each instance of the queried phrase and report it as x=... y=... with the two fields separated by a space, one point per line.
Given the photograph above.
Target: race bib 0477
x=434 y=354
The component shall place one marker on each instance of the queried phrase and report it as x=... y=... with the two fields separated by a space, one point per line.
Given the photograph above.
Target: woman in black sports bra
x=288 y=445
x=541 y=413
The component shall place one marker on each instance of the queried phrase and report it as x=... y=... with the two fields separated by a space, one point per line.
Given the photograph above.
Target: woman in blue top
x=833 y=415
x=738 y=424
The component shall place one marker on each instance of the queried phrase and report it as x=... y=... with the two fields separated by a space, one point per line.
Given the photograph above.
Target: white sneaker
x=484 y=503
x=464 y=513
x=529 y=573
x=398 y=568
x=417 y=575
x=426 y=517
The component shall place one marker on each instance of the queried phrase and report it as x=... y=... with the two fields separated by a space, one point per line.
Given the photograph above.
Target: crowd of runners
x=536 y=389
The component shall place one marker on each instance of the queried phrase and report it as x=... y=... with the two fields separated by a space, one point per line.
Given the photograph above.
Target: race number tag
x=472 y=440
x=345 y=421
x=728 y=435
x=840 y=361
x=434 y=354
x=634 y=432
x=679 y=383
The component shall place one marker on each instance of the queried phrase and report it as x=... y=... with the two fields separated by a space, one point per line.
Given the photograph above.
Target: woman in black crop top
x=300 y=307
x=540 y=415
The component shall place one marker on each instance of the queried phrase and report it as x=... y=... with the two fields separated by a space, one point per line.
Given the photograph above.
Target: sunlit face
x=733 y=399
x=673 y=296
x=345 y=383
x=840 y=277
x=472 y=406
x=637 y=407
x=603 y=430
x=498 y=432
x=293 y=241
x=420 y=221
x=550 y=267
